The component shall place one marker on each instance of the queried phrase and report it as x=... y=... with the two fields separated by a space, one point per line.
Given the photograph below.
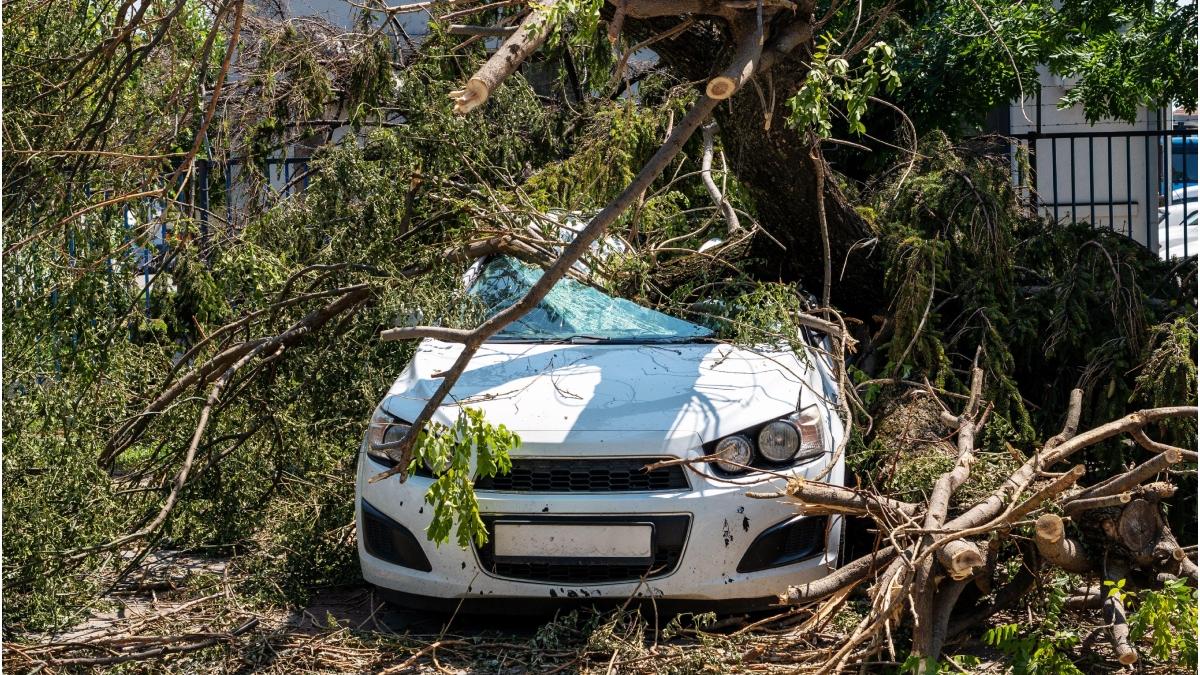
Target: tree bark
x=777 y=167
x=1057 y=548
x=1114 y=614
x=780 y=172
x=530 y=34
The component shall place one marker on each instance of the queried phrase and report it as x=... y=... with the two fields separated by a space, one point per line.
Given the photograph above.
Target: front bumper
x=721 y=524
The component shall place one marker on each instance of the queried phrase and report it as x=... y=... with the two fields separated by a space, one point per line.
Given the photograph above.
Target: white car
x=1177 y=225
x=597 y=388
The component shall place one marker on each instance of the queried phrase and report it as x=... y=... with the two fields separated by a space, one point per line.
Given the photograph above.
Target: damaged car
x=604 y=394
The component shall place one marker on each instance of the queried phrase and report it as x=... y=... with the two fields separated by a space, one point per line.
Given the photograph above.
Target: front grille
x=670 y=535
x=586 y=475
x=804 y=538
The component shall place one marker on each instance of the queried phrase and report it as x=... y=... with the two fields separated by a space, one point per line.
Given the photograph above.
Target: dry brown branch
x=1141 y=473
x=851 y=501
x=744 y=63
x=924 y=554
x=994 y=504
x=850 y=574
x=1091 y=597
x=1057 y=548
x=1114 y=614
x=484 y=31
x=1152 y=445
x=124 y=649
x=925 y=642
x=1048 y=493
x=1075 y=507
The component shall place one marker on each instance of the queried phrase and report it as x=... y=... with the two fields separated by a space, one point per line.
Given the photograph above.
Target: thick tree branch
x=530 y=34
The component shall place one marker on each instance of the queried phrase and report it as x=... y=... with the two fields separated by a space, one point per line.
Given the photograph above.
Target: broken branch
x=530 y=34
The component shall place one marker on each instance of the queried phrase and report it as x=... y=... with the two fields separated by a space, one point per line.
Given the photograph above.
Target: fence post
x=1112 y=221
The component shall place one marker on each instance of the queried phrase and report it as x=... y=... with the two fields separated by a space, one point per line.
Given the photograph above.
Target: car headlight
x=735 y=452
x=384 y=429
x=812 y=436
x=779 y=440
x=786 y=441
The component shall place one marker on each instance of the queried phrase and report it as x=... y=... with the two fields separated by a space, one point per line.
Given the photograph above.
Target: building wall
x=1083 y=175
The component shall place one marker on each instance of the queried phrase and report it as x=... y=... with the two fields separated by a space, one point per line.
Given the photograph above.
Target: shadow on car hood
x=543 y=391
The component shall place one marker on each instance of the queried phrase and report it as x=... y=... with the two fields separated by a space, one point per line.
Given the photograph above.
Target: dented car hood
x=617 y=399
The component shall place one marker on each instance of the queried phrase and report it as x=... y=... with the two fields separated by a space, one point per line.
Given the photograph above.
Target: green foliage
x=1138 y=54
x=1041 y=649
x=619 y=138
x=1168 y=373
x=913 y=271
x=981 y=54
x=370 y=80
x=54 y=493
x=290 y=75
x=1034 y=654
x=196 y=300
x=831 y=81
x=911 y=473
x=273 y=481
x=959 y=663
x=950 y=232
x=977 y=53
x=575 y=20
x=757 y=314
x=469 y=448
x=968 y=267
x=1168 y=618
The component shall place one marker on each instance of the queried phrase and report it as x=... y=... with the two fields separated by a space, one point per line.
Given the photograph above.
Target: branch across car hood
x=552 y=393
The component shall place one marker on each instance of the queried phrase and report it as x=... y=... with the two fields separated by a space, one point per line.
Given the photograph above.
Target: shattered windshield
x=573 y=311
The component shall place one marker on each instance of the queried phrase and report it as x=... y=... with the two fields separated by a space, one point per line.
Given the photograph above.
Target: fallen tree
x=249 y=419
x=932 y=556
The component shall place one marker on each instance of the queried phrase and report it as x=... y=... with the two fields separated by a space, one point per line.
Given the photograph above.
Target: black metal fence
x=1127 y=181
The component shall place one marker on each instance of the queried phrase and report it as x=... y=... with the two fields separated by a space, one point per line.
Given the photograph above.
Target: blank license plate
x=535 y=540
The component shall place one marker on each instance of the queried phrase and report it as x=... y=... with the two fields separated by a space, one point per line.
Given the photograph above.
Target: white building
x=1110 y=174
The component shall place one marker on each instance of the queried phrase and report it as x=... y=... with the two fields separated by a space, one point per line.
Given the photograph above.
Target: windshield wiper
x=580 y=340
x=584 y=339
x=629 y=340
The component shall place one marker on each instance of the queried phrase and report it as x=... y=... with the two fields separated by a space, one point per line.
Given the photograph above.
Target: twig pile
x=932 y=557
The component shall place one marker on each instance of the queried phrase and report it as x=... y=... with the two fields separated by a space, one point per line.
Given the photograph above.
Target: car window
x=572 y=310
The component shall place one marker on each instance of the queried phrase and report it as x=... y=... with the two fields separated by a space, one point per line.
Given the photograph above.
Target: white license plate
x=537 y=540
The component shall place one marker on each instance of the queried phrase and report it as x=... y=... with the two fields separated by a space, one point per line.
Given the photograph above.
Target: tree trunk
x=777 y=167
x=779 y=170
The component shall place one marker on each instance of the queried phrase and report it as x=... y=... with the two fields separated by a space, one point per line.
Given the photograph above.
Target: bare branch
x=529 y=35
